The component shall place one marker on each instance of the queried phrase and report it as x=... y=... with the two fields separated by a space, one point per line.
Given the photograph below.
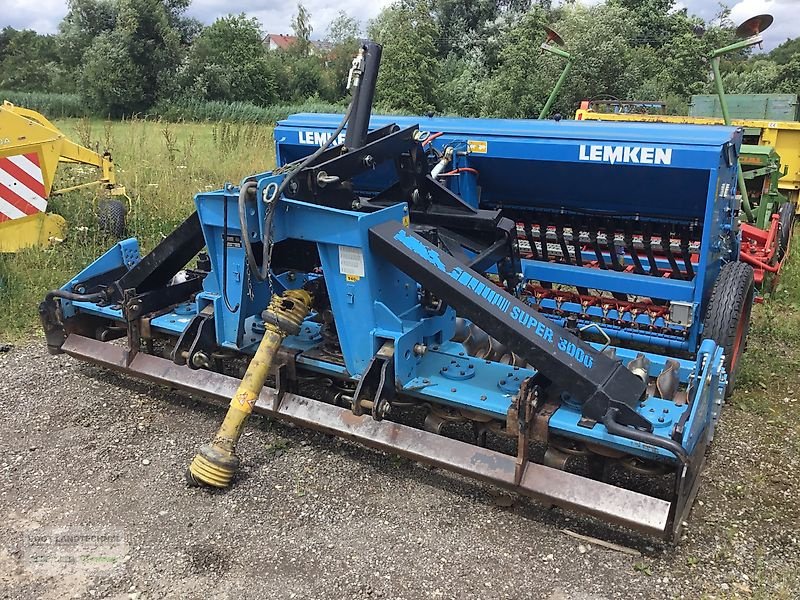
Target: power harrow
x=552 y=308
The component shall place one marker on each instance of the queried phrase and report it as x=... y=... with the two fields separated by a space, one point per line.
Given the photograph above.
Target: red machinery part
x=760 y=250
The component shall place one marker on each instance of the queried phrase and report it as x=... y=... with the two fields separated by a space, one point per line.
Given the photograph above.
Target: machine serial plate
x=351 y=261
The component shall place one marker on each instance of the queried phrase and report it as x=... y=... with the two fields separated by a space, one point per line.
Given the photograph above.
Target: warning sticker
x=478 y=146
x=351 y=261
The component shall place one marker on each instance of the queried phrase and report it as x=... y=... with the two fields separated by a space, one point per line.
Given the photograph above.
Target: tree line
x=479 y=58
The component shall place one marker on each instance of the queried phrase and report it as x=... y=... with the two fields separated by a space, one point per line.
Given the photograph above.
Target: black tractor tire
x=785 y=224
x=727 y=318
x=111 y=217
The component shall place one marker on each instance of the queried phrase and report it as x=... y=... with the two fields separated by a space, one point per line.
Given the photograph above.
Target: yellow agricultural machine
x=31 y=148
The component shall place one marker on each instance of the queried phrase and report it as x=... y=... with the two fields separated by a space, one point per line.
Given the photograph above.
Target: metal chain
x=250 y=293
x=272 y=204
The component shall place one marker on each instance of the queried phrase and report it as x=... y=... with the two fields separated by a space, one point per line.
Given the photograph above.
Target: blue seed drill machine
x=551 y=307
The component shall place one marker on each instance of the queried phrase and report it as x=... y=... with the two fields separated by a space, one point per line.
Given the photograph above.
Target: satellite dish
x=754 y=26
x=552 y=36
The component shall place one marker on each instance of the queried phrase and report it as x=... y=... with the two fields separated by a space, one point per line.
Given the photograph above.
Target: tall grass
x=54 y=106
x=60 y=106
x=238 y=112
x=162 y=165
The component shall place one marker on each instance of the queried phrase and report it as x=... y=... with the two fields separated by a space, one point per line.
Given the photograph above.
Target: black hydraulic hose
x=94 y=297
x=637 y=263
x=363 y=95
x=261 y=274
x=647 y=242
x=230 y=308
x=637 y=435
x=74 y=297
x=248 y=247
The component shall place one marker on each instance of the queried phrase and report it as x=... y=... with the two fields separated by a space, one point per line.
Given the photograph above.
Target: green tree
x=462 y=25
x=343 y=34
x=130 y=68
x=84 y=22
x=512 y=91
x=305 y=78
x=649 y=22
x=111 y=82
x=788 y=81
x=229 y=62
x=408 y=77
x=301 y=26
x=786 y=52
x=756 y=76
x=464 y=84
x=188 y=28
x=30 y=62
x=343 y=29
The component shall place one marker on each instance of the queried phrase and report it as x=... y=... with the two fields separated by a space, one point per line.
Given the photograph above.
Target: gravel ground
x=313 y=517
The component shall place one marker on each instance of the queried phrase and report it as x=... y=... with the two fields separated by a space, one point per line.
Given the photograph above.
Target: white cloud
x=41 y=15
x=276 y=15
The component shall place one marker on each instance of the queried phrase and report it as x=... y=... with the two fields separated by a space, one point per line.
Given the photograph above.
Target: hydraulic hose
x=248 y=246
x=262 y=273
x=74 y=297
x=637 y=435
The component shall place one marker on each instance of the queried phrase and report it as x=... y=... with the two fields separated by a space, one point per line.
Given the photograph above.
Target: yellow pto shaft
x=216 y=463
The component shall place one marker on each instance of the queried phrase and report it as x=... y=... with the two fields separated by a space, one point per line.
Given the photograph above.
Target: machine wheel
x=111 y=217
x=785 y=224
x=727 y=319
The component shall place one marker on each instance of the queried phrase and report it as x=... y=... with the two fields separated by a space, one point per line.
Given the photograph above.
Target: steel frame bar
x=552 y=486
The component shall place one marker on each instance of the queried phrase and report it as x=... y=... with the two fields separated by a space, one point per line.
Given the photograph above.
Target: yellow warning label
x=352 y=277
x=478 y=146
x=406 y=221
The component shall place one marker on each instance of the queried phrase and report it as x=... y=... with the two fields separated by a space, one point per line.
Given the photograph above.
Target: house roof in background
x=281 y=40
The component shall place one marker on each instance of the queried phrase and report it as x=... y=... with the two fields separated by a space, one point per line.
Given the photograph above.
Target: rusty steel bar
x=552 y=486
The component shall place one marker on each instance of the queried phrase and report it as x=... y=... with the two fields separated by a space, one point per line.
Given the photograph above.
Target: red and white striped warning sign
x=22 y=190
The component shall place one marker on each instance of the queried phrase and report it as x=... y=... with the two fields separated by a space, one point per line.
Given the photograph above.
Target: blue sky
x=276 y=15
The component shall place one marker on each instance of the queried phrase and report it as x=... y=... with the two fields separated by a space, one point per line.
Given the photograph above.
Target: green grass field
x=163 y=165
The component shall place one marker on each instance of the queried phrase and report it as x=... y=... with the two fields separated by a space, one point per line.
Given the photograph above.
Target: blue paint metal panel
x=122 y=254
x=629 y=283
x=566 y=129
x=547 y=165
x=698 y=414
x=544 y=163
